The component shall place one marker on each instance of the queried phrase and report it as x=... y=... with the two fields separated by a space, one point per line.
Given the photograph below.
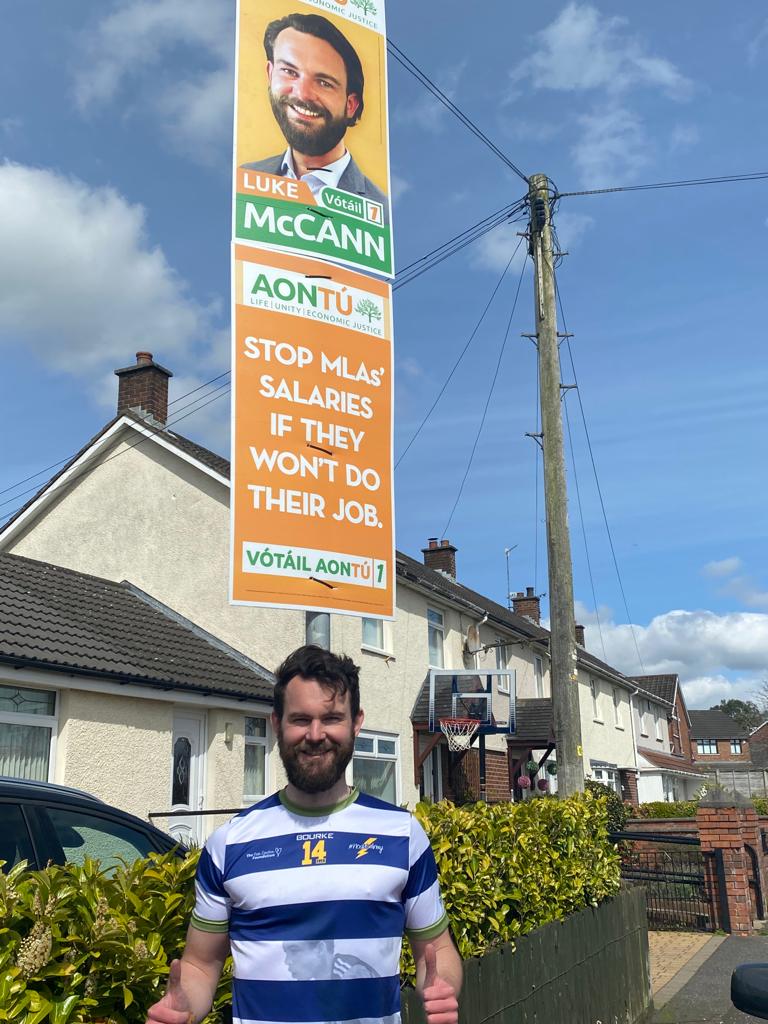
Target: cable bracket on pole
x=534 y=338
x=538 y=438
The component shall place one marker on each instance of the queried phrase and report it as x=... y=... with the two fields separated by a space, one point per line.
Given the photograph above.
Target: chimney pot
x=579 y=631
x=441 y=556
x=529 y=592
x=143 y=389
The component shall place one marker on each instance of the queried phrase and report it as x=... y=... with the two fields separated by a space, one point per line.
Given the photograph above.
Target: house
x=718 y=741
x=758 y=746
x=666 y=771
x=143 y=506
x=105 y=689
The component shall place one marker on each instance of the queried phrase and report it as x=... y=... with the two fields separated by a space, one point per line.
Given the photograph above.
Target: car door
x=70 y=834
x=15 y=838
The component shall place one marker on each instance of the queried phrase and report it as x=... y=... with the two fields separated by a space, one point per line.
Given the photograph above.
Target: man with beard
x=320 y=870
x=316 y=86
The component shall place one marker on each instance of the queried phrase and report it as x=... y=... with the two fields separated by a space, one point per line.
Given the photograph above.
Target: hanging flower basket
x=524 y=782
x=543 y=785
x=532 y=767
x=552 y=767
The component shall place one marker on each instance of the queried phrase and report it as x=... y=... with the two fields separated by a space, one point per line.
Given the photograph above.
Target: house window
x=27 y=729
x=373 y=633
x=501 y=664
x=617 y=708
x=374 y=765
x=318 y=629
x=255 y=767
x=608 y=777
x=435 y=638
x=538 y=675
x=735 y=746
x=706 y=746
x=595 y=691
x=659 y=729
x=645 y=718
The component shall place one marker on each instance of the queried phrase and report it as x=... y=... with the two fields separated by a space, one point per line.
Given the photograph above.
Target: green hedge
x=671 y=809
x=78 y=945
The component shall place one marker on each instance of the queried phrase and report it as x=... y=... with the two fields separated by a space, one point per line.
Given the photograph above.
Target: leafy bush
x=668 y=809
x=761 y=804
x=78 y=946
x=506 y=869
x=618 y=812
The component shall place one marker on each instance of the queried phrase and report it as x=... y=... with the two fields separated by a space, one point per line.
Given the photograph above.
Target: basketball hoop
x=459 y=732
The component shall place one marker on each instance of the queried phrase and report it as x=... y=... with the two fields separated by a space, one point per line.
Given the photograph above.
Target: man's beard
x=314 y=140
x=314 y=775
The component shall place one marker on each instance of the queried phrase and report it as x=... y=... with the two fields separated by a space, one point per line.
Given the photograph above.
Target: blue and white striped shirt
x=315 y=905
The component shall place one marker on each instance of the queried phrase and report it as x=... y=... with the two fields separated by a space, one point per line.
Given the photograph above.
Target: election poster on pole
x=311 y=505
x=311 y=152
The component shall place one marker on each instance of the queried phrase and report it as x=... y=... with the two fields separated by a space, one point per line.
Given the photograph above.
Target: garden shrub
x=668 y=809
x=78 y=945
x=618 y=812
x=760 y=804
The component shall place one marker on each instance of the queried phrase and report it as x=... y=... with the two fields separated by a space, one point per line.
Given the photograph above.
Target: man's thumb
x=430 y=962
x=174 y=993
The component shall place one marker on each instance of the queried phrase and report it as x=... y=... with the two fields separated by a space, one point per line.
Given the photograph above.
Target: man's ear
x=275 y=723
x=357 y=725
x=353 y=105
x=270 y=68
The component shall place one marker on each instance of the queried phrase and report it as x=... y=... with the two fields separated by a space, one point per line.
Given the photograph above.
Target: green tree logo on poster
x=365 y=6
x=367 y=307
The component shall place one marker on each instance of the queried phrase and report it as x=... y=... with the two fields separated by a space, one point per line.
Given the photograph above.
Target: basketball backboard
x=487 y=695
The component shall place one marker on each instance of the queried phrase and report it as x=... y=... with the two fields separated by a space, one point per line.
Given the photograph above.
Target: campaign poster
x=312 y=500
x=311 y=150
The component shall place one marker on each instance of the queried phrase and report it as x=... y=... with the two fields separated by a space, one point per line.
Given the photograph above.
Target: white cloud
x=584 y=50
x=723 y=567
x=757 y=45
x=729 y=648
x=612 y=148
x=704 y=691
x=399 y=186
x=684 y=136
x=139 y=35
x=493 y=251
x=81 y=285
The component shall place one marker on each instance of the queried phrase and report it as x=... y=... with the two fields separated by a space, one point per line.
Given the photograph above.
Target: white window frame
x=43 y=721
x=617 y=716
x=385 y=628
x=739 y=744
x=374 y=755
x=257 y=741
x=439 y=629
x=594 y=689
x=502 y=663
x=538 y=674
x=706 y=743
x=659 y=728
x=644 y=716
x=608 y=777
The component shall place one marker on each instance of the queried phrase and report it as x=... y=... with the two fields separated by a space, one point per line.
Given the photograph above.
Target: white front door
x=433 y=775
x=187 y=776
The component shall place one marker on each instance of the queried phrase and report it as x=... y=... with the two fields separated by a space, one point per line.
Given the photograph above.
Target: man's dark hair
x=334 y=672
x=317 y=25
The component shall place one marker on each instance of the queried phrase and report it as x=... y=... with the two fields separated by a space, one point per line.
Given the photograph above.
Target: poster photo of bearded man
x=312 y=110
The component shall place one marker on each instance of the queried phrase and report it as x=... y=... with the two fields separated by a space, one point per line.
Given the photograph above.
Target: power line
x=487 y=402
x=755 y=176
x=597 y=482
x=461 y=356
x=427 y=82
x=461 y=241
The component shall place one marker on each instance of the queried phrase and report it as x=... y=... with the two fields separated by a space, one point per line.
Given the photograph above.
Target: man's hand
x=440 y=1003
x=174 y=1007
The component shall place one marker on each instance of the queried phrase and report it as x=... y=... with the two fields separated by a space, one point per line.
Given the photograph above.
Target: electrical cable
x=755 y=176
x=444 y=253
x=461 y=356
x=488 y=400
x=427 y=82
x=597 y=482
x=583 y=528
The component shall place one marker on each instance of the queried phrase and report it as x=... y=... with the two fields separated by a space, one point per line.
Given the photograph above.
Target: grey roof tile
x=715 y=725
x=59 y=618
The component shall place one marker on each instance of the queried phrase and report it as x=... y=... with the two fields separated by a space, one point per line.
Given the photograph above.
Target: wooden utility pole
x=562 y=645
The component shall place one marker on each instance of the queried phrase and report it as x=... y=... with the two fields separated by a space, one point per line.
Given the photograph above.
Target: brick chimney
x=527 y=605
x=579 y=631
x=143 y=388
x=440 y=555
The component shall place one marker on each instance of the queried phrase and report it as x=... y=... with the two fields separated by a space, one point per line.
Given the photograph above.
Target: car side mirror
x=749 y=989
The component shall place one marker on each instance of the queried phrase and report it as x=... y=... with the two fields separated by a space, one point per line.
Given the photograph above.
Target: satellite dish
x=472 y=642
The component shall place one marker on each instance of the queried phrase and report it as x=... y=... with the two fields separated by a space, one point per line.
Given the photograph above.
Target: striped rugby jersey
x=316 y=905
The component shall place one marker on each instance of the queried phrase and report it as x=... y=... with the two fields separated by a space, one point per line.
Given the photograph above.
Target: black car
x=42 y=822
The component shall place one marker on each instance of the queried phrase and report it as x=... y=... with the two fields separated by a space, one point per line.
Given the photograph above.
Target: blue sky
x=115 y=147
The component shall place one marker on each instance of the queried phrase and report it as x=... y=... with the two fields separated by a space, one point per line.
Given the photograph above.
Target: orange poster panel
x=312 y=504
